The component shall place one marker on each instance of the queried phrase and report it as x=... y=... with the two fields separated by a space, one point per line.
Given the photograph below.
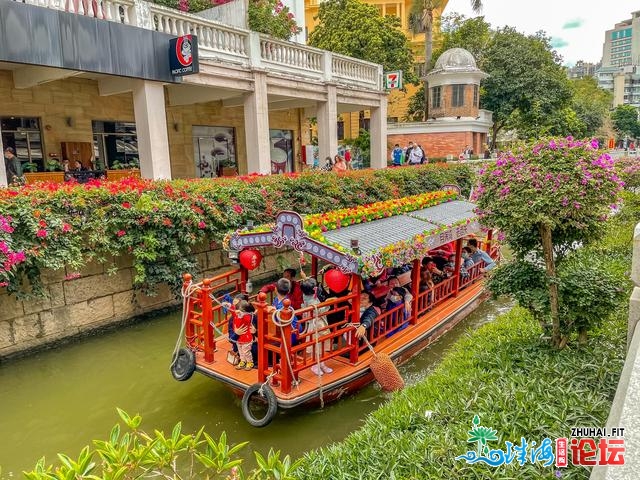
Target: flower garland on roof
x=317 y=224
x=404 y=251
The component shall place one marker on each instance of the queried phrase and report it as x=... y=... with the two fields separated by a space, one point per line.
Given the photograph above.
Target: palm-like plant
x=421 y=21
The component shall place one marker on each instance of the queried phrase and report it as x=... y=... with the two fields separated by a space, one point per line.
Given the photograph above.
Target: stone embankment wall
x=624 y=410
x=96 y=299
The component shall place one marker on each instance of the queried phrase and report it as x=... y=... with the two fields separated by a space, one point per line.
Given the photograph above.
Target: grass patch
x=503 y=372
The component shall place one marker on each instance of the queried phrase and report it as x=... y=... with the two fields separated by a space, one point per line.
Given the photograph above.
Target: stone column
x=256 y=126
x=151 y=127
x=3 y=169
x=328 y=125
x=379 y=134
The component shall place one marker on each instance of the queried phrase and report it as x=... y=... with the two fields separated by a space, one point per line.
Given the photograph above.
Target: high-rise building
x=622 y=43
x=620 y=67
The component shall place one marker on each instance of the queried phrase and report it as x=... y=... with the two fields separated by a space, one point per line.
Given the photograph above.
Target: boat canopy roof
x=367 y=238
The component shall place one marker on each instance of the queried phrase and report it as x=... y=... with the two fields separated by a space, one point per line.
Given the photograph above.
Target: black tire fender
x=267 y=393
x=183 y=365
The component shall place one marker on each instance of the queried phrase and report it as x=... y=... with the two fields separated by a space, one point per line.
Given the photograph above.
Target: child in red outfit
x=242 y=317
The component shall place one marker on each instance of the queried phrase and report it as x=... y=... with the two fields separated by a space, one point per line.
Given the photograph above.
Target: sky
x=576 y=27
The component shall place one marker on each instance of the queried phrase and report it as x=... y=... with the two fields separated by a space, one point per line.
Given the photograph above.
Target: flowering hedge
x=50 y=226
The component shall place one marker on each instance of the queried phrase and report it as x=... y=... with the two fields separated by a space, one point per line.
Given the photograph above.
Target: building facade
x=622 y=43
x=583 y=69
x=91 y=82
x=398 y=101
x=456 y=121
x=619 y=72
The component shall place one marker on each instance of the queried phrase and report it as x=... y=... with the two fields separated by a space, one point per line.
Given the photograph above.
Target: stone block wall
x=96 y=299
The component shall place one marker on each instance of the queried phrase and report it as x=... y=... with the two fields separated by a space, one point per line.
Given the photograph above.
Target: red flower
x=42 y=223
x=126 y=205
x=237 y=208
x=121 y=233
x=66 y=227
x=167 y=222
x=201 y=225
x=41 y=233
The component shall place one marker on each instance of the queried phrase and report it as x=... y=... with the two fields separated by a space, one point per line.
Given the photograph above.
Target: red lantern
x=250 y=259
x=336 y=280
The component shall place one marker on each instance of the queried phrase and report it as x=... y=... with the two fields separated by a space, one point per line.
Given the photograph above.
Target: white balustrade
x=348 y=68
x=212 y=36
x=228 y=43
x=289 y=56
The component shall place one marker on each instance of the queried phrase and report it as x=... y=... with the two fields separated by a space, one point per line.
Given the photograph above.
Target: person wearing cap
x=12 y=166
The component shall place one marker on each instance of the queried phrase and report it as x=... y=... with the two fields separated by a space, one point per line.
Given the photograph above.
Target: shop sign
x=183 y=55
x=393 y=80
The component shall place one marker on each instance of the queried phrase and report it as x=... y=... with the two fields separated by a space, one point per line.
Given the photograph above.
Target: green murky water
x=59 y=400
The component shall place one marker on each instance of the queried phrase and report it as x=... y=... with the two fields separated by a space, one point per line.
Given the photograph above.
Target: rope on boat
x=186 y=292
x=281 y=323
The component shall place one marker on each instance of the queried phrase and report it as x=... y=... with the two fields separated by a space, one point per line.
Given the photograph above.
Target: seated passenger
x=316 y=327
x=439 y=257
x=478 y=255
x=426 y=283
x=437 y=275
x=395 y=283
x=368 y=313
x=397 y=297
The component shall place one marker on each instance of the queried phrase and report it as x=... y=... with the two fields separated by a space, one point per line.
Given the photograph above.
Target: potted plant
x=53 y=172
x=123 y=169
x=228 y=167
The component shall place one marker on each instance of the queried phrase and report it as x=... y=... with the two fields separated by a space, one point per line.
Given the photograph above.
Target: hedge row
x=48 y=226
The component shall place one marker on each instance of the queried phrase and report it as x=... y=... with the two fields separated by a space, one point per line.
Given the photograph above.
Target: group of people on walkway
x=339 y=163
x=413 y=154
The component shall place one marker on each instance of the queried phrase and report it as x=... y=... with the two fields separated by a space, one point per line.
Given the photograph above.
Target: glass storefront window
x=115 y=145
x=24 y=136
x=214 y=151
x=281 y=151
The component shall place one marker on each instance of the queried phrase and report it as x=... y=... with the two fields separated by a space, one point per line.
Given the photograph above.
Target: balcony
x=219 y=43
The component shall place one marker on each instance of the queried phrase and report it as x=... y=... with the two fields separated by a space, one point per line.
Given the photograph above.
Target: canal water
x=58 y=400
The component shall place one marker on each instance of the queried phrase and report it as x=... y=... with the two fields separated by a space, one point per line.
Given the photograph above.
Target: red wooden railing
x=278 y=358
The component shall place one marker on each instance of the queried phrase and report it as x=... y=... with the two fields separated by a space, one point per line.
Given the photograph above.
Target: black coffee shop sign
x=183 y=55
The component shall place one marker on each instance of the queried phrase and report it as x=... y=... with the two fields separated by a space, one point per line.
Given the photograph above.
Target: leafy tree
x=271 y=17
x=535 y=123
x=547 y=197
x=135 y=453
x=357 y=29
x=472 y=34
x=591 y=104
x=625 y=121
x=421 y=19
x=525 y=75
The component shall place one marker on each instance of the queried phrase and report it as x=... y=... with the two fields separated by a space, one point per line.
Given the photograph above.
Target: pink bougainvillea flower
x=237 y=208
x=41 y=233
x=121 y=233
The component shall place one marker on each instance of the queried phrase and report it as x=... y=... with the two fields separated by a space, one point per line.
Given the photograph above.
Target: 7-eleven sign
x=393 y=80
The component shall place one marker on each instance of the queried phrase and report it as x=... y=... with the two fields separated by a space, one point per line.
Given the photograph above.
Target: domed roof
x=456 y=60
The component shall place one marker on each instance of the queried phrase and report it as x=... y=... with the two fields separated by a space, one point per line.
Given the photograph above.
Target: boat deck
x=399 y=346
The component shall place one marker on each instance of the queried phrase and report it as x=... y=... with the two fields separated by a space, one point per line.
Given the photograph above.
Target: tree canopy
x=625 y=121
x=353 y=28
x=546 y=197
x=525 y=76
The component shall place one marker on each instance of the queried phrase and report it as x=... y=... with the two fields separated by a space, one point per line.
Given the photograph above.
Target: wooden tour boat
x=354 y=243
